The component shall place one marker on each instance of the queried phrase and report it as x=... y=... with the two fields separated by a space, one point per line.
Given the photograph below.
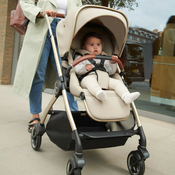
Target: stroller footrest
x=113 y=134
x=93 y=140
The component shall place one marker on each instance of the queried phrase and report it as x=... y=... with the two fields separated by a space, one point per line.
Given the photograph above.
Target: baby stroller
x=101 y=125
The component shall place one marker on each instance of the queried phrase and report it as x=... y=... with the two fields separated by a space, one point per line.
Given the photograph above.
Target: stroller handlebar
x=87 y=57
x=83 y=58
x=119 y=63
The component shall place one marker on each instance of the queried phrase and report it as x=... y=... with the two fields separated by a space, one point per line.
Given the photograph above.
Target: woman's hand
x=89 y=67
x=49 y=12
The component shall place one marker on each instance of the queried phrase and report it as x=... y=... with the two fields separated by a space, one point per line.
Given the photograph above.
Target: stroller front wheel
x=35 y=139
x=77 y=172
x=70 y=170
x=135 y=164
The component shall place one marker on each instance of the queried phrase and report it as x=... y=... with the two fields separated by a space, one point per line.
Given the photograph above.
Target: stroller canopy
x=80 y=21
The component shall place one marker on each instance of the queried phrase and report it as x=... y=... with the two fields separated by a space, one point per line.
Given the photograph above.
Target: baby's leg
x=90 y=82
x=122 y=91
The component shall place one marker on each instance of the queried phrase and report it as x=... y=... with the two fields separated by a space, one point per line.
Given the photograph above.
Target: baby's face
x=93 y=45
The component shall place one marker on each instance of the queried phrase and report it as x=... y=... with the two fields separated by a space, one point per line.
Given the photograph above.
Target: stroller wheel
x=35 y=139
x=136 y=165
x=77 y=172
x=70 y=169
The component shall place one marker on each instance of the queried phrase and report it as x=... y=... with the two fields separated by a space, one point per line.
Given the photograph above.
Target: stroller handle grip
x=86 y=57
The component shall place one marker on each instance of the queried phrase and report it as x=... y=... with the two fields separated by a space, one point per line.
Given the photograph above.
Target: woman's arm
x=30 y=10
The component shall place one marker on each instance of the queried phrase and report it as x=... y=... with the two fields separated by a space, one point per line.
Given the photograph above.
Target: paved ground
x=18 y=158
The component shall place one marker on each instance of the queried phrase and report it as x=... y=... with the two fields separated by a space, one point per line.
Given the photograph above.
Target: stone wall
x=6 y=41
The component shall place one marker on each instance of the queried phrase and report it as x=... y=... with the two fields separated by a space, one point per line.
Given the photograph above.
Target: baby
x=92 y=44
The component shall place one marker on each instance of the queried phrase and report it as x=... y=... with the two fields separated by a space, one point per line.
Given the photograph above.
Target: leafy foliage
x=116 y=4
x=94 y=2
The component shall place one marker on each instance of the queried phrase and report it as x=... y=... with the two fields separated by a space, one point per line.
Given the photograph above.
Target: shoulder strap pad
x=82 y=52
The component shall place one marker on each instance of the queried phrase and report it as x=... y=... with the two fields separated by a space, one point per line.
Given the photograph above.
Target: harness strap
x=96 y=67
x=84 y=75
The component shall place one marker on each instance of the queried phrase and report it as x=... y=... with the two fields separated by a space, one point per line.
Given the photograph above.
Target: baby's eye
x=98 y=44
x=91 y=44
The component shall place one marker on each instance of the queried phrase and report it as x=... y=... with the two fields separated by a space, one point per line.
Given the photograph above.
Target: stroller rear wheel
x=136 y=165
x=35 y=139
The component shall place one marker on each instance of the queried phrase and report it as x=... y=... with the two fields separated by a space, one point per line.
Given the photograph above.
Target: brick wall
x=6 y=41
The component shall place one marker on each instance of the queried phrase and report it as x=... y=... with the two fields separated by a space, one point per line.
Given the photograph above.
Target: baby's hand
x=89 y=67
x=113 y=61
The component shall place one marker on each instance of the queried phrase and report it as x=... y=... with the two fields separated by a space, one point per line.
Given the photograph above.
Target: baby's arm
x=81 y=68
x=89 y=67
x=113 y=61
x=111 y=66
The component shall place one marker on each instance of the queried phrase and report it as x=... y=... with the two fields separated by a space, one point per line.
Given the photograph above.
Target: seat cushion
x=114 y=109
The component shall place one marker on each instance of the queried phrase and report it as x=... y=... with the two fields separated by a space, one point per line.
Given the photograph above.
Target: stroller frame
x=135 y=160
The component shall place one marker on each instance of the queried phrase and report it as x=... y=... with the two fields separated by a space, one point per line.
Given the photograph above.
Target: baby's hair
x=88 y=35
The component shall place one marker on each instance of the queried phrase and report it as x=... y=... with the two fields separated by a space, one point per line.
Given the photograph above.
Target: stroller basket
x=93 y=134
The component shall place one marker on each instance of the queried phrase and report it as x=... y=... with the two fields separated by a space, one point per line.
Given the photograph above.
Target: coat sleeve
x=79 y=3
x=29 y=9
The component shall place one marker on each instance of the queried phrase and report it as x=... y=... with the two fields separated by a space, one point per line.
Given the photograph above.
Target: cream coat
x=33 y=42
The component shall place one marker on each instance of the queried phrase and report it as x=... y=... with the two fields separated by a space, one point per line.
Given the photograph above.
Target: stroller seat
x=114 y=109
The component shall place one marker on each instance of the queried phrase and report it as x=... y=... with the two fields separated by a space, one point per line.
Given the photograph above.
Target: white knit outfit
x=90 y=82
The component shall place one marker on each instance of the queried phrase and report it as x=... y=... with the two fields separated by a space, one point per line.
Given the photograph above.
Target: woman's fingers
x=51 y=13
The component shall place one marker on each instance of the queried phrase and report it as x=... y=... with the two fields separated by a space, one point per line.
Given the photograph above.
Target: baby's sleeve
x=80 y=68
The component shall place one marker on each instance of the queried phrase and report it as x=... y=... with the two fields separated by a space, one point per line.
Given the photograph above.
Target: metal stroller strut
x=73 y=126
x=77 y=160
x=78 y=148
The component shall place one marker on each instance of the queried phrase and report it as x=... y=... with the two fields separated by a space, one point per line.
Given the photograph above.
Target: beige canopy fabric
x=88 y=18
